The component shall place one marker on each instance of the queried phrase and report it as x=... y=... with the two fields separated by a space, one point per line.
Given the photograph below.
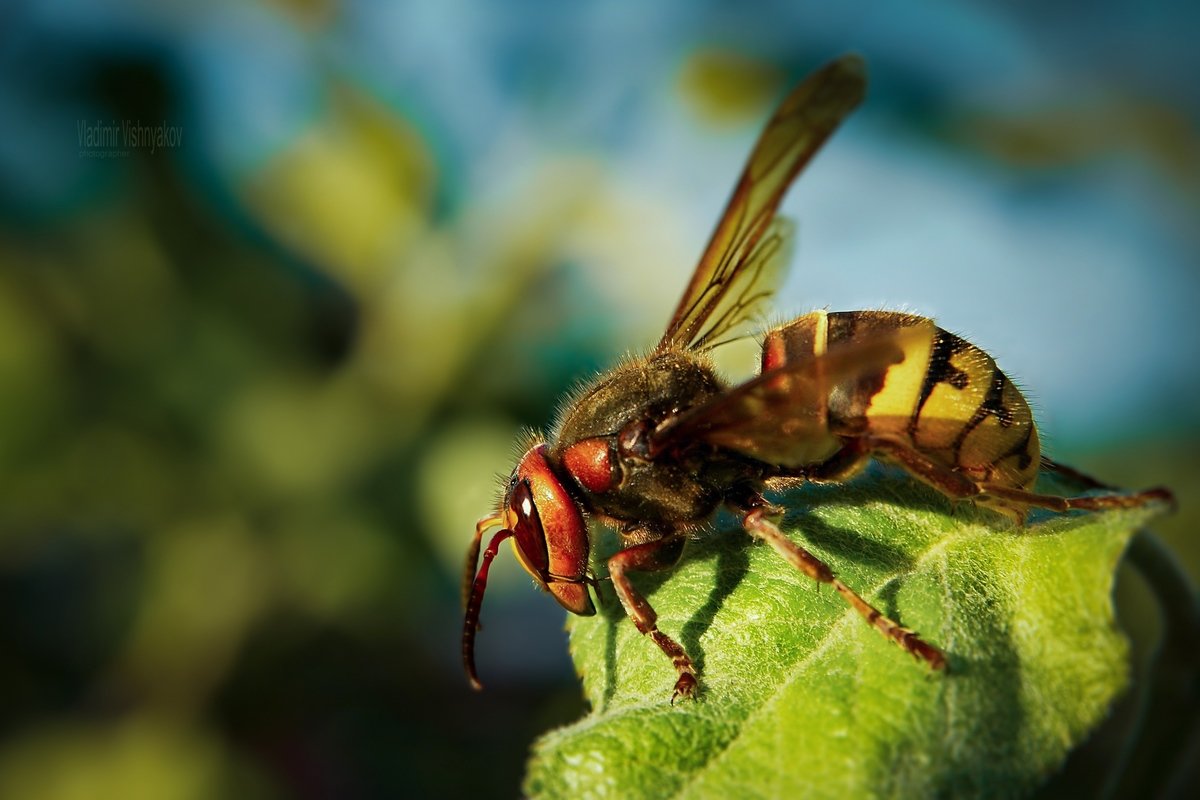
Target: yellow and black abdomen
x=947 y=399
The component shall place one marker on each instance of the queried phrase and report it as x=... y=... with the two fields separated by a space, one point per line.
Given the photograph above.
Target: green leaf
x=801 y=698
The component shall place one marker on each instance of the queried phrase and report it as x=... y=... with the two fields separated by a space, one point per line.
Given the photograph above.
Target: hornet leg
x=650 y=557
x=960 y=486
x=759 y=526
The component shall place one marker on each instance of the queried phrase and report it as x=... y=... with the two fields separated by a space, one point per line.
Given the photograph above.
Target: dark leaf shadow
x=733 y=564
x=729 y=547
x=806 y=528
x=610 y=608
x=995 y=727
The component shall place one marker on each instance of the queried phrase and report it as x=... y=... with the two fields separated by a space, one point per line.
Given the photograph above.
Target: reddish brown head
x=550 y=538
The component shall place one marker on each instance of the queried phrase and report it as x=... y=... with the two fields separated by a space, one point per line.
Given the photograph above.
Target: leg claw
x=685 y=687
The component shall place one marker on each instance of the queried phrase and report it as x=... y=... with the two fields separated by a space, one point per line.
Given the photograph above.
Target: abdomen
x=947 y=399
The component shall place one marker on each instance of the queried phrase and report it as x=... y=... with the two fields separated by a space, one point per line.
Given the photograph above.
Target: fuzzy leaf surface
x=801 y=698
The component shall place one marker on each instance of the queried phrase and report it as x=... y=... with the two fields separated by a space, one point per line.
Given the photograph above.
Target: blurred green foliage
x=251 y=405
x=223 y=571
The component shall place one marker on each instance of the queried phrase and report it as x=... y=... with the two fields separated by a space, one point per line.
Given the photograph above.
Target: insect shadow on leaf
x=733 y=564
x=610 y=609
x=984 y=700
x=731 y=567
x=880 y=481
x=846 y=543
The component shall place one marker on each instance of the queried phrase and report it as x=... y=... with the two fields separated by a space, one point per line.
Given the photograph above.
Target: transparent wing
x=734 y=273
x=781 y=416
x=756 y=283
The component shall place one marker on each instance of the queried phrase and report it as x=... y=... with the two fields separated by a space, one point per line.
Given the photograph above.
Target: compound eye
x=528 y=532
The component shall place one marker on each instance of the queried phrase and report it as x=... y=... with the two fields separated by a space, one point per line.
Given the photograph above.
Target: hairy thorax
x=621 y=410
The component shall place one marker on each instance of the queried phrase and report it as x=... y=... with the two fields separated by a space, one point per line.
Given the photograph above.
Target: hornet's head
x=550 y=538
